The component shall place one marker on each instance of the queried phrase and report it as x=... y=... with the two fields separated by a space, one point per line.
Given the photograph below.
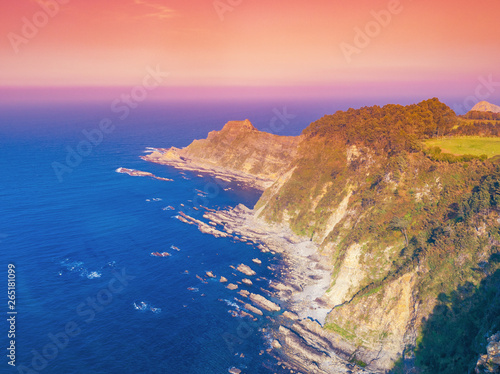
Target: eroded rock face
x=350 y=275
x=309 y=352
x=387 y=316
x=490 y=362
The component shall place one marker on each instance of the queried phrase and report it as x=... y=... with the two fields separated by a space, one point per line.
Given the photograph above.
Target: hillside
x=400 y=228
x=408 y=237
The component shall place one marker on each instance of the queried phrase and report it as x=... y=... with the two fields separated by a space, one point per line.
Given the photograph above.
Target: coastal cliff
x=402 y=236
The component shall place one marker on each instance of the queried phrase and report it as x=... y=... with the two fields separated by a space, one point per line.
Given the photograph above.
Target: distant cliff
x=484 y=106
x=407 y=236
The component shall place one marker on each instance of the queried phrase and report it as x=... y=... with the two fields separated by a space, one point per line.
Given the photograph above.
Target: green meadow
x=469 y=145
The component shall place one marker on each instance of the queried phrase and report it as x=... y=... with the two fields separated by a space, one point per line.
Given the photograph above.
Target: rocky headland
x=258 y=162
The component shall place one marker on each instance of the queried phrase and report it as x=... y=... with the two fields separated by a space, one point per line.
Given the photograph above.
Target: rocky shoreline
x=172 y=157
x=299 y=341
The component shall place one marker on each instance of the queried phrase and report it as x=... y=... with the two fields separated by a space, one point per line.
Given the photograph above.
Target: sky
x=326 y=47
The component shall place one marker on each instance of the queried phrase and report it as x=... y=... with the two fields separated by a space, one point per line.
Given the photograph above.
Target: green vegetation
x=410 y=195
x=392 y=128
x=455 y=333
x=485 y=116
x=339 y=330
x=475 y=146
x=360 y=363
x=477 y=123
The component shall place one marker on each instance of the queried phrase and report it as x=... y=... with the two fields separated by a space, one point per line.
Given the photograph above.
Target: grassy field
x=472 y=145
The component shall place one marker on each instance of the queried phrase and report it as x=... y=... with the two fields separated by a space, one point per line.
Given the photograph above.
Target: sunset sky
x=426 y=45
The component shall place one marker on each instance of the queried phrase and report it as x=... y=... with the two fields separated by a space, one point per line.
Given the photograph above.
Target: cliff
x=403 y=234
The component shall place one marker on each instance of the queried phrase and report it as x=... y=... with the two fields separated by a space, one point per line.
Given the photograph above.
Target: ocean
x=90 y=297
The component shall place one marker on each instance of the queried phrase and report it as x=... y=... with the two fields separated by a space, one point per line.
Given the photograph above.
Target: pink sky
x=446 y=44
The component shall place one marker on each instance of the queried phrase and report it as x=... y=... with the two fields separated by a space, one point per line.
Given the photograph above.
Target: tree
x=401 y=224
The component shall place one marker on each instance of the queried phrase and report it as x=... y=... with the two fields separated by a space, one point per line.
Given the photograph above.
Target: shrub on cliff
x=391 y=128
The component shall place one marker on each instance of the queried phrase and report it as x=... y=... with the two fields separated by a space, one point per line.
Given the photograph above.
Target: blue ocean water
x=90 y=297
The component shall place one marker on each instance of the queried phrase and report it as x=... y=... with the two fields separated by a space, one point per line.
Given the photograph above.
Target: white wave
x=230 y=303
x=146 y=307
x=79 y=268
x=94 y=274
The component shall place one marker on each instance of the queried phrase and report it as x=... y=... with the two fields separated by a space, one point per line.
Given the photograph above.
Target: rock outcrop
x=245 y=269
x=490 y=362
x=138 y=173
x=264 y=303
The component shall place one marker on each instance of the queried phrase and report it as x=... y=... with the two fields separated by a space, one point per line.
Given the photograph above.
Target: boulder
x=245 y=269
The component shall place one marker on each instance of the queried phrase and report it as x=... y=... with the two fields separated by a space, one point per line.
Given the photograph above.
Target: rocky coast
x=375 y=235
x=300 y=307
x=299 y=340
